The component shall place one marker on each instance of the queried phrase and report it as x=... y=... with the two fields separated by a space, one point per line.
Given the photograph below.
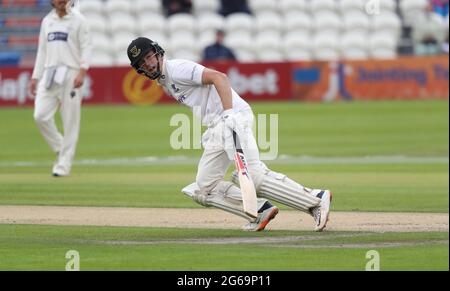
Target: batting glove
x=229 y=119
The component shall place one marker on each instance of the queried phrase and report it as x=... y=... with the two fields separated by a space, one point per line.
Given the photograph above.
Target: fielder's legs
x=46 y=104
x=70 y=114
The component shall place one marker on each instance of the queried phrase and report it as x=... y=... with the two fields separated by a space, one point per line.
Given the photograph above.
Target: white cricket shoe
x=60 y=171
x=315 y=213
x=264 y=217
x=321 y=213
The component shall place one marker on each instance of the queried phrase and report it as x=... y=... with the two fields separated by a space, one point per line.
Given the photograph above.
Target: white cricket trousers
x=218 y=155
x=68 y=100
x=219 y=149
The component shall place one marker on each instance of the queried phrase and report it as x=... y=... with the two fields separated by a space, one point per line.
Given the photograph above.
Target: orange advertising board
x=403 y=78
x=311 y=81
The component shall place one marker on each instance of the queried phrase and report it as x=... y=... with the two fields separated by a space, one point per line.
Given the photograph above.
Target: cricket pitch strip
x=216 y=219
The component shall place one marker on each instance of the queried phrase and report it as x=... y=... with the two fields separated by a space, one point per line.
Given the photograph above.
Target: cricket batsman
x=209 y=94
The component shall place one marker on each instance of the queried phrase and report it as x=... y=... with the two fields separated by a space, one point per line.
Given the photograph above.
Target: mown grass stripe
x=284 y=159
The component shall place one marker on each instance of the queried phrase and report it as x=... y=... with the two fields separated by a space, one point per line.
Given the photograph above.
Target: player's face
x=60 y=4
x=149 y=63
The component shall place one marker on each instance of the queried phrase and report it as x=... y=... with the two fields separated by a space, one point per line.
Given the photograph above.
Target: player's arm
x=85 y=43
x=40 y=60
x=222 y=84
x=84 y=38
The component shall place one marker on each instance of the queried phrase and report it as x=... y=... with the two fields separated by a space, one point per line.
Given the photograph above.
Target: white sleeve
x=41 y=54
x=84 y=37
x=188 y=73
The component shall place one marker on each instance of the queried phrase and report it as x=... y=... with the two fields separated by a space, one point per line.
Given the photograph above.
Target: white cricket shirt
x=63 y=41
x=182 y=79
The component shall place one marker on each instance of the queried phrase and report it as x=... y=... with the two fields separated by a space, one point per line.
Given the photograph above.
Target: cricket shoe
x=55 y=162
x=321 y=213
x=265 y=214
x=57 y=175
x=59 y=171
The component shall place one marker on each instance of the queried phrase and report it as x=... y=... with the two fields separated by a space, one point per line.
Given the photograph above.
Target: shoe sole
x=327 y=215
x=271 y=216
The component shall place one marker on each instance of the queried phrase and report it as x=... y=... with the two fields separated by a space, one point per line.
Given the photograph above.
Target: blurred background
x=309 y=50
x=256 y=30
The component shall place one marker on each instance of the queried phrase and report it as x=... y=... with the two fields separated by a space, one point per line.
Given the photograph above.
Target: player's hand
x=32 y=87
x=79 y=79
x=229 y=119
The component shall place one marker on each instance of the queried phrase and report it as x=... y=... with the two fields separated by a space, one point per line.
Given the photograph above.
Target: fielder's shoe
x=59 y=171
x=321 y=213
x=56 y=175
x=265 y=214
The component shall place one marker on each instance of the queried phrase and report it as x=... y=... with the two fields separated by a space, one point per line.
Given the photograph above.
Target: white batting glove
x=229 y=118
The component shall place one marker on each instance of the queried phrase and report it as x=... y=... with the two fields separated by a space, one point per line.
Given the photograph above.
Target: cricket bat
x=247 y=187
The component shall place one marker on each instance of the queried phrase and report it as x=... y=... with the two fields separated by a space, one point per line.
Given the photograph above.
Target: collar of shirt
x=163 y=79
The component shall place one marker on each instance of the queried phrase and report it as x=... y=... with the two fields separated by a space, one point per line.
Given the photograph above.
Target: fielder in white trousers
x=62 y=62
x=68 y=100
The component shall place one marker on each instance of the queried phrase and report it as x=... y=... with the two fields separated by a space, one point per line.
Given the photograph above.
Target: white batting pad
x=280 y=188
x=225 y=195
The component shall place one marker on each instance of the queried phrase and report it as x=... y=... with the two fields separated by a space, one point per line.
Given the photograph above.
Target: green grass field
x=44 y=247
x=388 y=188
x=408 y=141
